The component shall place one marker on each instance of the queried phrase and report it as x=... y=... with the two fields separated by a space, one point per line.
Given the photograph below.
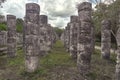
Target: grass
x=102 y=69
x=56 y=65
x=57 y=57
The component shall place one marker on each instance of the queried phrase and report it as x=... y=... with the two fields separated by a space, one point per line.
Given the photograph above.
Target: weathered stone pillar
x=11 y=36
x=62 y=37
x=43 y=21
x=85 y=38
x=49 y=37
x=31 y=37
x=73 y=36
x=3 y=38
x=105 y=39
x=118 y=55
x=68 y=37
x=65 y=37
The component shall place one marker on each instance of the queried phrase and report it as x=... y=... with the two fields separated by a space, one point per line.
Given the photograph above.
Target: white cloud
x=58 y=11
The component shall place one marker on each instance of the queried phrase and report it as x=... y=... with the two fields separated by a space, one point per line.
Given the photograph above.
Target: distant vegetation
x=3 y=26
x=58 y=31
x=19 y=25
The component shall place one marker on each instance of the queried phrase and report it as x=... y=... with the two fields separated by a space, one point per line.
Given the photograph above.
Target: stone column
x=73 y=36
x=62 y=37
x=118 y=53
x=11 y=36
x=31 y=37
x=105 y=39
x=3 y=38
x=85 y=38
x=49 y=37
x=43 y=21
x=65 y=37
x=68 y=37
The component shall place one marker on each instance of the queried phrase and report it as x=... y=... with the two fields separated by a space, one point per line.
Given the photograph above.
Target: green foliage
x=58 y=31
x=104 y=11
x=19 y=25
x=3 y=27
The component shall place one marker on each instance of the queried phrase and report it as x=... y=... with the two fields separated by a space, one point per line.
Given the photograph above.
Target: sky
x=58 y=11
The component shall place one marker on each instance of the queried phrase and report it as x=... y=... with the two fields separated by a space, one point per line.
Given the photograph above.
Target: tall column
x=118 y=53
x=105 y=39
x=43 y=21
x=65 y=38
x=85 y=38
x=3 y=38
x=68 y=37
x=49 y=36
x=31 y=37
x=73 y=36
x=11 y=36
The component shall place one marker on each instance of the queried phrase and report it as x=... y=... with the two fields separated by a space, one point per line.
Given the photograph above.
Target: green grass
x=102 y=69
x=57 y=57
x=56 y=65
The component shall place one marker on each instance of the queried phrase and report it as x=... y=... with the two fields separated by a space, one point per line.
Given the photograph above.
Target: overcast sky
x=58 y=11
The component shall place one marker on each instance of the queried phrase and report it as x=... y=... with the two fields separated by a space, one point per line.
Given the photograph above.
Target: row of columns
x=38 y=36
x=79 y=37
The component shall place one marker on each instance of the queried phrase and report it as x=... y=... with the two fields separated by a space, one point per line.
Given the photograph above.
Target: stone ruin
x=46 y=35
x=11 y=36
x=67 y=37
x=38 y=36
x=2 y=18
x=31 y=39
x=117 y=72
x=85 y=37
x=105 y=39
x=43 y=22
x=62 y=37
x=73 y=36
x=78 y=37
x=118 y=55
x=3 y=38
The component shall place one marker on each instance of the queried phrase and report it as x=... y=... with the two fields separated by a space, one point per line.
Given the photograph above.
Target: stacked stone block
x=105 y=39
x=85 y=38
x=118 y=53
x=73 y=36
x=31 y=39
x=43 y=21
x=67 y=42
x=11 y=36
x=3 y=38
